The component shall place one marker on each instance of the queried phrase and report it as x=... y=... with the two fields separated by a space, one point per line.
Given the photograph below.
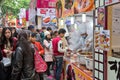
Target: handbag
x=40 y=64
x=48 y=57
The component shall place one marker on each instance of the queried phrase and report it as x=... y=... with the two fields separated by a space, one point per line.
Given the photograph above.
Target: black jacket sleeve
x=17 y=65
x=0 y=55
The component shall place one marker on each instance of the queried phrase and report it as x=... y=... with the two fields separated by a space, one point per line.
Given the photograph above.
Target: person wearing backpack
x=58 y=52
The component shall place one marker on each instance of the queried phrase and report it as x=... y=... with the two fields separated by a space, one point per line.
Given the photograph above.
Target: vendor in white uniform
x=86 y=42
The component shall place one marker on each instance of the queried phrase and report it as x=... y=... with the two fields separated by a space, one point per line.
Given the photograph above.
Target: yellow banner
x=67 y=8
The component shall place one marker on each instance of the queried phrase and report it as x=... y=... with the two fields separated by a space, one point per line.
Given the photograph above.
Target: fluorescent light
x=72 y=20
x=75 y=26
x=83 y=17
x=61 y=22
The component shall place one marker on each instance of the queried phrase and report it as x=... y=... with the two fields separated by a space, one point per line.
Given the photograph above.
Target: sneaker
x=50 y=77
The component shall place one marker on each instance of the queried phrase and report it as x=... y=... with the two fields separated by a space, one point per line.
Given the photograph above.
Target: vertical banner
x=67 y=7
x=101 y=17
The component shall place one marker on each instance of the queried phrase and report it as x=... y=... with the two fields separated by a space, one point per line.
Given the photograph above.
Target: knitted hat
x=46 y=33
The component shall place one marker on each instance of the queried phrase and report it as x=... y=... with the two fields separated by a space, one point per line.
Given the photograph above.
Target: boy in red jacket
x=58 y=51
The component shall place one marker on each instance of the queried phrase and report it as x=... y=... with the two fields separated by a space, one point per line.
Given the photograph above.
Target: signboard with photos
x=102 y=40
x=48 y=16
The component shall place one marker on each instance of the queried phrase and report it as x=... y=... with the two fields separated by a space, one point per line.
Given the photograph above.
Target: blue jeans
x=59 y=67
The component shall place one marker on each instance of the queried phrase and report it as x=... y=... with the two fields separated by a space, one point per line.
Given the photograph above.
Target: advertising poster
x=102 y=40
x=67 y=7
x=105 y=40
x=48 y=16
x=83 y=5
x=107 y=2
x=101 y=16
x=24 y=22
x=113 y=68
x=74 y=73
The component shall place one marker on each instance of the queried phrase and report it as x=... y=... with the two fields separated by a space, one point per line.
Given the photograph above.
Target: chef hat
x=46 y=33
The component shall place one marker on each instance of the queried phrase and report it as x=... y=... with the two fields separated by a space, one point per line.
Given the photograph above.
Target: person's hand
x=5 y=51
x=69 y=50
x=9 y=52
x=87 y=45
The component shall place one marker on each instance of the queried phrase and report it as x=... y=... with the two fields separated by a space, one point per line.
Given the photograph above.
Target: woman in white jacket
x=48 y=52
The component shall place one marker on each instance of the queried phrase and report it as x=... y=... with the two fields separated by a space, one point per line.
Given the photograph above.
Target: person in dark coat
x=23 y=61
x=2 y=72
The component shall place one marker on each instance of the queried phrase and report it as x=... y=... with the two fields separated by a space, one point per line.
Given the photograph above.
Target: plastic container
x=82 y=59
x=89 y=63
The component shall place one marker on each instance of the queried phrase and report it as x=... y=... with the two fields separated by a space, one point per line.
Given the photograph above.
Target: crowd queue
x=18 y=49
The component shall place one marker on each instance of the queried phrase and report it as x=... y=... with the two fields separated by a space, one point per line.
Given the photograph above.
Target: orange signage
x=83 y=5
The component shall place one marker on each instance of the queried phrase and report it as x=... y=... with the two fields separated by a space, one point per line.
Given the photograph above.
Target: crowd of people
x=17 y=49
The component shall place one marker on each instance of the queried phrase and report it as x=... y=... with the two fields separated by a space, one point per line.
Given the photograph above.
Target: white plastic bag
x=6 y=61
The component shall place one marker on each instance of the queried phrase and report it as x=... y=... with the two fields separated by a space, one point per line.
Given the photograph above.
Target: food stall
x=79 y=26
x=80 y=41
x=106 y=50
x=107 y=54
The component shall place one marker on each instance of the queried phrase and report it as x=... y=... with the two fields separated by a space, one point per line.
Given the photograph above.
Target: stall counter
x=73 y=71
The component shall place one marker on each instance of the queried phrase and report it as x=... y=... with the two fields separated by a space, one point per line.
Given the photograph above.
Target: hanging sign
x=83 y=5
x=48 y=16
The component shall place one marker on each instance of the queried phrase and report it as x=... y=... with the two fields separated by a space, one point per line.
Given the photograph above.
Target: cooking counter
x=76 y=71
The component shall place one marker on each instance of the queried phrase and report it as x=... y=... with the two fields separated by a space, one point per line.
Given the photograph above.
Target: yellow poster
x=24 y=22
x=67 y=8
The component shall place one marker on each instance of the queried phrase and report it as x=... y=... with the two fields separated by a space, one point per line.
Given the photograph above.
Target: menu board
x=97 y=38
x=107 y=2
x=102 y=40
